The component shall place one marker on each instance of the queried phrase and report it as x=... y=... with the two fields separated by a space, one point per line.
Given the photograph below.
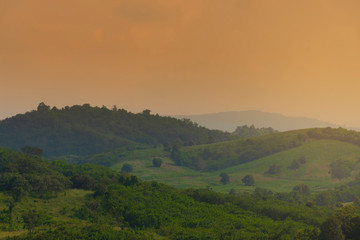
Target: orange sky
x=299 y=58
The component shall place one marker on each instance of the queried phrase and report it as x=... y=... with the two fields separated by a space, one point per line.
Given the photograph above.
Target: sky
x=298 y=58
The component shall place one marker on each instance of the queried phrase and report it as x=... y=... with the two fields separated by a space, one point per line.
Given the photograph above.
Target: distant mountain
x=229 y=121
x=84 y=130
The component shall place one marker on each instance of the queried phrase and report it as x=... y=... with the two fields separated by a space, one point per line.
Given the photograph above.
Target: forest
x=111 y=205
x=84 y=130
x=73 y=197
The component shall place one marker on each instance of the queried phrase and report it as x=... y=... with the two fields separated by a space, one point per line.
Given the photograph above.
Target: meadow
x=319 y=154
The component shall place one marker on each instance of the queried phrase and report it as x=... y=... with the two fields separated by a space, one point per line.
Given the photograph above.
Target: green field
x=319 y=154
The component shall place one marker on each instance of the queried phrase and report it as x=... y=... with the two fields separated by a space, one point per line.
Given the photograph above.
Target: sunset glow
x=298 y=58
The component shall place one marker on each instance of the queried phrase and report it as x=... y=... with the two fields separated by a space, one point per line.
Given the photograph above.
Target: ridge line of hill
x=228 y=121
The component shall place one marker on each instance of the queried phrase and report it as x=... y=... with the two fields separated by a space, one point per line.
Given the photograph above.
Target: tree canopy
x=84 y=130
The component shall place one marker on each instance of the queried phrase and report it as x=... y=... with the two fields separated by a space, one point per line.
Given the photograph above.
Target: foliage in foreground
x=120 y=206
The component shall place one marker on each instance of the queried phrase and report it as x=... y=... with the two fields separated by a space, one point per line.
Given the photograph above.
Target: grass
x=58 y=209
x=5 y=234
x=319 y=155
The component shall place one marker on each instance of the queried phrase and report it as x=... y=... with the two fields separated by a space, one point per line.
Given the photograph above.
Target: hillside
x=315 y=171
x=83 y=130
x=231 y=153
x=221 y=155
x=92 y=202
x=207 y=157
x=318 y=155
x=229 y=121
x=308 y=161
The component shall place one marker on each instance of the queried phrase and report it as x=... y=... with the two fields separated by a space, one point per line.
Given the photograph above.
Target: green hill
x=231 y=153
x=93 y=202
x=207 y=157
x=318 y=154
x=318 y=161
x=315 y=172
x=84 y=130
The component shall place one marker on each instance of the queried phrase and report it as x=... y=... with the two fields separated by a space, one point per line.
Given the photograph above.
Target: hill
x=221 y=155
x=207 y=157
x=83 y=130
x=93 y=202
x=229 y=121
x=319 y=155
x=226 y=154
x=316 y=157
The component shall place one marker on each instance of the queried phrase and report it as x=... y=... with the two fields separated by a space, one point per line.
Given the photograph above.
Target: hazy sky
x=299 y=58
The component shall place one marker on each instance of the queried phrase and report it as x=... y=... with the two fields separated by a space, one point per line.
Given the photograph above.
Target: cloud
x=184 y=48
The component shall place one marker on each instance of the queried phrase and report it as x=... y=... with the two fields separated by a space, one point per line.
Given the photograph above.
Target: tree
x=224 y=178
x=176 y=155
x=127 y=168
x=42 y=107
x=157 y=162
x=307 y=234
x=246 y=131
x=248 y=180
x=146 y=112
x=10 y=203
x=273 y=169
x=31 y=219
x=331 y=230
x=324 y=199
x=302 y=159
x=17 y=184
x=341 y=169
x=302 y=188
x=35 y=151
x=82 y=182
x=349 y=221
x=211 y=139
x=295 y=165
x=232 y=192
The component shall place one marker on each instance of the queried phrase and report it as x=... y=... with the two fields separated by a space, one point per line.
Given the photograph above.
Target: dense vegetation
x=316 y=162
x=93 y=202
x=231 y=153
x=227 y=154
x=41 y=199
x=83 y=130
x=251 y=131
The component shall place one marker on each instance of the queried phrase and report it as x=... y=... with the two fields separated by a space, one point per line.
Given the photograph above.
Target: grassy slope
x=59 y=208
x=315 y=173
x=319 y=154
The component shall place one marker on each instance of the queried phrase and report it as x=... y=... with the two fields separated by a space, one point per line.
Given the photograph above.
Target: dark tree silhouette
x=248 y=180
x=35 y=151
x=224 y=178
x=127 y=168
x=157 y=162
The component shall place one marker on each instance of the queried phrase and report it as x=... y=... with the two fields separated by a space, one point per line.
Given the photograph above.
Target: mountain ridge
x=83 y=130
x=229 y=121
